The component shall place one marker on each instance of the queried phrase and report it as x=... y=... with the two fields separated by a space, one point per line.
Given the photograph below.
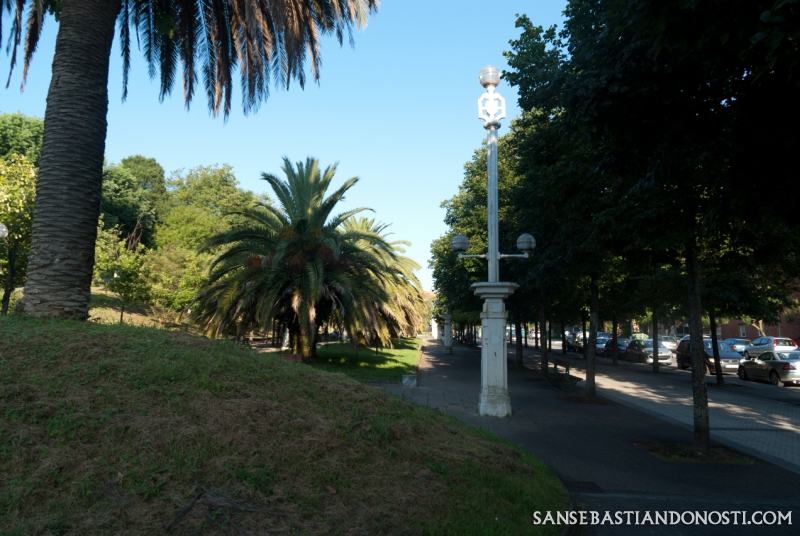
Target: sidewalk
x=590 y=447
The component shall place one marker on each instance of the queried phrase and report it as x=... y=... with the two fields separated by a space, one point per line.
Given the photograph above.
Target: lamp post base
x=448 y=333
x=494 y=399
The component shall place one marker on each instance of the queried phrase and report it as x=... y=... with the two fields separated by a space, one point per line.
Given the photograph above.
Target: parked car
x=728 y=359
x=603 y=335
x=738 y=345
x=601 y=345
x=639 y=336
x=669 y=341
x=775 y=367
x=768 y=344
x=622 y=344
x=641 y=351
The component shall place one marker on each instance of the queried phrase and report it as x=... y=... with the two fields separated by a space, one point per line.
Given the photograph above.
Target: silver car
x=769 y=344
x=641 y=351
x=775 y=367
x=669 y=341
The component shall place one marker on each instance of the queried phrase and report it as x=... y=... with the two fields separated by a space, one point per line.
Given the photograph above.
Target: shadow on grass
x=387 y=364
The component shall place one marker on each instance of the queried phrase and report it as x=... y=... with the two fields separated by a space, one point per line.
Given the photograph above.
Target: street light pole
x=494 y=399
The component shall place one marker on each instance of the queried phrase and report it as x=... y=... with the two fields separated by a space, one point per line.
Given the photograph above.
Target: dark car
x=728 y=359
x=738 y=345
x=641 y=351
x=622 y=345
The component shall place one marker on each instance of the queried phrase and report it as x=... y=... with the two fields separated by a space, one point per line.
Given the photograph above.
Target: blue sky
x=399 y=111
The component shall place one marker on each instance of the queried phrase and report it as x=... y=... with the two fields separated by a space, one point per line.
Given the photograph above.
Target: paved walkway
x=592 y=447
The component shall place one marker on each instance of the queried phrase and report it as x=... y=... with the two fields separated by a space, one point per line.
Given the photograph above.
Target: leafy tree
x=149 y=176
x=200 y=203
x=175 y=275
x=667 y=103
x=298 y=262
x=268 y=41
x=21 y=134
x=17 y=194
x=125 y=206
x=120 y=266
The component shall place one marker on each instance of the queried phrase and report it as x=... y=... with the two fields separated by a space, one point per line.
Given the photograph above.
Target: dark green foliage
x=21 y=134
x=126 y=206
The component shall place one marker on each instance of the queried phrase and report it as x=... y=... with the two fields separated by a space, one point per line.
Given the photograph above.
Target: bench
x=564 y=381
x=293 y=357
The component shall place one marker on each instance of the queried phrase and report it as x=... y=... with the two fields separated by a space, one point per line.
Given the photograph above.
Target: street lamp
x=3 y=231
x=494 y=400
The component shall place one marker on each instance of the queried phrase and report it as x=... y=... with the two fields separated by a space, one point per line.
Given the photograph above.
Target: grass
x=684 y=452
x=388 y=364
x=118 y=429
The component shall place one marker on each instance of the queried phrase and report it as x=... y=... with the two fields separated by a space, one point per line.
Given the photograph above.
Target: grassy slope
x=112 y=429
x=389 y=364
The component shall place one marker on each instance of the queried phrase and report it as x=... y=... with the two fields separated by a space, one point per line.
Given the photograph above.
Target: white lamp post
x=448 y=332
x=494 y=400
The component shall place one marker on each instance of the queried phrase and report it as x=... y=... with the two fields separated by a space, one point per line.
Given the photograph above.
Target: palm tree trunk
x=70 y=173
x=11 y=274
x=702 y=431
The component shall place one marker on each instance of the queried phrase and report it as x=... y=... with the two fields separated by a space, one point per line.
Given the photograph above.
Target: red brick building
x=789 y=327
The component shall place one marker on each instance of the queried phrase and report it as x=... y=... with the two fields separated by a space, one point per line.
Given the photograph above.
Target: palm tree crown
x=298 y=264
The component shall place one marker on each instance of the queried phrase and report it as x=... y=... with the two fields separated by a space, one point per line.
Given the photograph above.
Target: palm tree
x=298 y=262
x=269 y=41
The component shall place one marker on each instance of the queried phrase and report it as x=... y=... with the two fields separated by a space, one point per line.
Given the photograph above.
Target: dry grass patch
x=684 y=452
x=128 y=430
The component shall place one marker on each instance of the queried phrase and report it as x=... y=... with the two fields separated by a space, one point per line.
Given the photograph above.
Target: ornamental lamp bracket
x=491 y=107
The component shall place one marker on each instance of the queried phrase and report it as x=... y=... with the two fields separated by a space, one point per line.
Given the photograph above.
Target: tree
x=121 y=268
x=21 y=134
x=669 y=101
x=268 y=41
x=200 y=203
x=17 y=194
x=149 y=176
x=297 y=263
x=125 y=206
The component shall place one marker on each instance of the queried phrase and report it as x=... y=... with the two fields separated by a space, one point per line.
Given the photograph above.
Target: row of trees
x=653 y=164
x=292 y=265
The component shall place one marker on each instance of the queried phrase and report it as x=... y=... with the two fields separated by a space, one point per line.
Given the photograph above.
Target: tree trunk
x=67 y=203
x=590 y=346
x=536 y=333
x=11 y=274
x=702 y=433
x=563 y=340
x=518 y=334
x=121 y=312
x=583 y=327
x=615 y=350
x=527 y=334
x=541 y=321
x=714 y=348
x=655 y=342
x=550 y=336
